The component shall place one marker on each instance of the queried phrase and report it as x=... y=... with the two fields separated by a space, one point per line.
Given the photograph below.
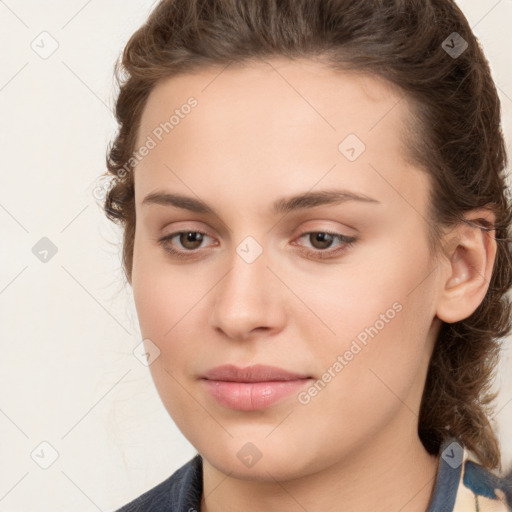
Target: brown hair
x=457 y=139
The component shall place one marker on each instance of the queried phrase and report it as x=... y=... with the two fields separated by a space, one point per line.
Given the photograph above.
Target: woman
x=316 y=231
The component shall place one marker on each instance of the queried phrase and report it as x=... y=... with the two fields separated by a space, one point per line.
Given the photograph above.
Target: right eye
x=188 y=239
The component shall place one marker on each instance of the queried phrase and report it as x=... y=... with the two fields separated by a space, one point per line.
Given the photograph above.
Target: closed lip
x=255 y=373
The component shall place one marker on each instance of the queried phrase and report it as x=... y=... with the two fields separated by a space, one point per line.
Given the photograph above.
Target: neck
x=391 y=472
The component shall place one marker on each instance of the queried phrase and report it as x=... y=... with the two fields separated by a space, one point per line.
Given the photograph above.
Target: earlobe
x=467 y=272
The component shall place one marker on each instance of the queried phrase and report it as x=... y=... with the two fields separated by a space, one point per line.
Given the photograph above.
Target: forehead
x=276 y=118
x=300 y=90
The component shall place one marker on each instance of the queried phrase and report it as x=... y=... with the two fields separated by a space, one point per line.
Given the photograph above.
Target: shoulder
x=181 y=491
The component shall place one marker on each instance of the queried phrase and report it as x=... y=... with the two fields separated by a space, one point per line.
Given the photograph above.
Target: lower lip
x=249 y=396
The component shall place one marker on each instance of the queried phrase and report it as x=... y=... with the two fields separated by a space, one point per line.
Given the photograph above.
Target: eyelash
x=315 y=253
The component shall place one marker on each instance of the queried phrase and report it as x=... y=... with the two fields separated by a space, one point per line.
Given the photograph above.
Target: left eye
x=192 y=240
x=325 y=239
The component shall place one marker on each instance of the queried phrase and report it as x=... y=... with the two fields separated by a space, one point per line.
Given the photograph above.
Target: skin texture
x=259 y=133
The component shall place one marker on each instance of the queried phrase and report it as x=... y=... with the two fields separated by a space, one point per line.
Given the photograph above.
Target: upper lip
x=255 y=373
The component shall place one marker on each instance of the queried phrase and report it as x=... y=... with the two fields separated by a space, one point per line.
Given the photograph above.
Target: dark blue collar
x=448 y=476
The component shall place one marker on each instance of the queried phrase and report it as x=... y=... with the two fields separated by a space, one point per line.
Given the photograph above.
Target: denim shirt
x=462 y=485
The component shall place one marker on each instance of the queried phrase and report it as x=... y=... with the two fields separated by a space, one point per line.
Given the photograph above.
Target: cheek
x=334 y=302
x=162 y=293
x=332 y=306
x=380 y=316
x=165 y=303
x=351 y=298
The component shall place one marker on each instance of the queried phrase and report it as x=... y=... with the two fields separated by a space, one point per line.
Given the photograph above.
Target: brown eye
x=321 y=240
x=320 y=243
x=183 y=244
x=188 y=244
x=191 y=239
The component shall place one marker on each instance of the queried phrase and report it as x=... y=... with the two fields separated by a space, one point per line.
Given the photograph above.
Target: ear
x=468 y=268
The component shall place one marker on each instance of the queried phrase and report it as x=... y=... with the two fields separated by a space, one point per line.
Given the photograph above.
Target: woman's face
x=259 y=281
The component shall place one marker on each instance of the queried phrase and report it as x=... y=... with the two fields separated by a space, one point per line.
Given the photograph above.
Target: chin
x=258 y=461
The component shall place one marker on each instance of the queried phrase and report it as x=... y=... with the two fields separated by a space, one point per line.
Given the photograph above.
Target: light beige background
x=68 y=326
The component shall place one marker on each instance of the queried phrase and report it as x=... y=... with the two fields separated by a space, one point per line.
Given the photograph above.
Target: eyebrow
x=283 y=205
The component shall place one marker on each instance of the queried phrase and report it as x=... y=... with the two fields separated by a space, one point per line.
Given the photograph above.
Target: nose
x=248 y=299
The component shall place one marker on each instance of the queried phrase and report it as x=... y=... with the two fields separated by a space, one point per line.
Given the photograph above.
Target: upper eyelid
x=344 y=231
x=340 y=236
